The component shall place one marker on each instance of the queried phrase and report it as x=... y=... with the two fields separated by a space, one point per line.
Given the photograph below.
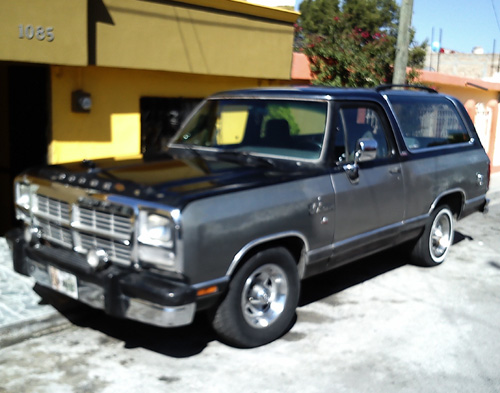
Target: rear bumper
x=120 y=292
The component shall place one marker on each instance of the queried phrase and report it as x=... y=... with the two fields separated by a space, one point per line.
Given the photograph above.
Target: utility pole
x=401 y=61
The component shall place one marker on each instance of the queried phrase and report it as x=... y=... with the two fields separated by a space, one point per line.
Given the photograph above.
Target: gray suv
x=259 y=190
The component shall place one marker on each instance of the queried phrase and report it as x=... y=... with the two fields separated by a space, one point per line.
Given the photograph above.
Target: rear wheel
x=261 y=301
x=435 y=242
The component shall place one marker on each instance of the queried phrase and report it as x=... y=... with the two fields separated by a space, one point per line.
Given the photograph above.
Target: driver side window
x=354 y=122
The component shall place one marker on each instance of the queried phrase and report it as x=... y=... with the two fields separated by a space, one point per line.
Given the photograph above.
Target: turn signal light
x=207 y=291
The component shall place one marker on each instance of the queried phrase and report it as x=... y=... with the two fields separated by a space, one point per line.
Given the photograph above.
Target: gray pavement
x=23 y=313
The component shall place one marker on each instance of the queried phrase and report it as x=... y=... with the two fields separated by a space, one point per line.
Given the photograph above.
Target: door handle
x=395 y=170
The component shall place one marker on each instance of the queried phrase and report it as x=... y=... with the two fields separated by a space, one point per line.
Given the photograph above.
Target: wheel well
x=293 y=244
x=454 y=200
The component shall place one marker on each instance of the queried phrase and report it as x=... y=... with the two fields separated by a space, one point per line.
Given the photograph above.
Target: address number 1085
x=38 y=32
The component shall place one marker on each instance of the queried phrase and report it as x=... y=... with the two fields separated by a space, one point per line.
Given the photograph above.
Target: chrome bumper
x=137 y=309
x=120 y=292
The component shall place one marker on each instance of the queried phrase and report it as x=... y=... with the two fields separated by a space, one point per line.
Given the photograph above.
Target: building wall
x=464 y=93
x=481 y=101
x=223 y=37
x=477 y=66
x=184 y=38
x=112 y=127
x=44 y=31
x=122 y=50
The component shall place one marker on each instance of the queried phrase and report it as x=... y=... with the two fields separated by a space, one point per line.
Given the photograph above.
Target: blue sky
x=465 y=23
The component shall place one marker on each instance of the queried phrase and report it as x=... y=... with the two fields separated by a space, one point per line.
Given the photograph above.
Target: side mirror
x=366 y=150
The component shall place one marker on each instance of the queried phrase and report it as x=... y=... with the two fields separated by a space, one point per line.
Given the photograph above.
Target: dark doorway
x=24 y=126
x=161 y=119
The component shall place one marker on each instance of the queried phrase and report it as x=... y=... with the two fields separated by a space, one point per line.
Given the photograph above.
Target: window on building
x=161 y=119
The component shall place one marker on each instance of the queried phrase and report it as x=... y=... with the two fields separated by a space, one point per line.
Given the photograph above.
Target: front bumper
x=120 y=292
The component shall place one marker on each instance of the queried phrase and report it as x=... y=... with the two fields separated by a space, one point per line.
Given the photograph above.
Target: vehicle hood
x=171 y=181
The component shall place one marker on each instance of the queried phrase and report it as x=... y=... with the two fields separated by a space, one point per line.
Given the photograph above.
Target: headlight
x=156 y=240
x=155 y=230
x=23 y=198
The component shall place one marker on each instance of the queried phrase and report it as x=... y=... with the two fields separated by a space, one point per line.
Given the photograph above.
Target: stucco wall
x=463 y=64
x=44 y=31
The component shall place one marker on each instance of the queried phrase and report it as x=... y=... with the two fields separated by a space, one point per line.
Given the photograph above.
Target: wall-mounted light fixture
x=81 y=101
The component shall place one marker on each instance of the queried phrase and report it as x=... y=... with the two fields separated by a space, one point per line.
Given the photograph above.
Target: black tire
x=261 y=301
x=433 y=245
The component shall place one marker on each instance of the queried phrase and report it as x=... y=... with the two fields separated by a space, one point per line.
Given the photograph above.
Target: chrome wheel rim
x=264 y=296
x=441 y=236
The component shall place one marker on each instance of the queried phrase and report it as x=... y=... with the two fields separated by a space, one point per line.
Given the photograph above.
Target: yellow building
x=98 y=78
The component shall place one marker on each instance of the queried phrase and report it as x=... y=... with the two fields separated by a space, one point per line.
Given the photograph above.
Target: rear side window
x=428 y=122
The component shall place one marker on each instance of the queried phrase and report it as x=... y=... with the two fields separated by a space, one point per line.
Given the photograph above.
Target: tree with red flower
x=351 y=43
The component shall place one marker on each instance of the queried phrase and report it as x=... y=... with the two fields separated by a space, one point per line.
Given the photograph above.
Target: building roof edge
x=242 y=7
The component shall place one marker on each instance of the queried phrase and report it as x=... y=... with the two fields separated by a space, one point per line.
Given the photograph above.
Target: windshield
x=283 y=128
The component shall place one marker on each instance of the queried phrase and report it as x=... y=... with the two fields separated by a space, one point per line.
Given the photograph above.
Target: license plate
x=63 y=282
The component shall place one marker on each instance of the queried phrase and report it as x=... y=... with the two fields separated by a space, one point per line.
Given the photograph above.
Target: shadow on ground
x=337 y=280
x=193 y=339
x=177 y=342
x=460 y=237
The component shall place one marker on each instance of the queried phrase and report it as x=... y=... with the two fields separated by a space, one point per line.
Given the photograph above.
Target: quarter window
x=428 y=122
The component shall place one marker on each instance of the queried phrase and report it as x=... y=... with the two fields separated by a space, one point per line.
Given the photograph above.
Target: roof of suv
x=322 y=92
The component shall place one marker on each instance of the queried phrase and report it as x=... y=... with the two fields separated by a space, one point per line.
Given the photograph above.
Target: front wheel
x=433 y=245
x=261 y=301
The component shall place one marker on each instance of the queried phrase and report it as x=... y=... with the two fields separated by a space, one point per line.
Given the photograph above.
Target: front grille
x=52 y=209
x=54 y=233
x=101 y=221
x=116 y=251
x=84 y=228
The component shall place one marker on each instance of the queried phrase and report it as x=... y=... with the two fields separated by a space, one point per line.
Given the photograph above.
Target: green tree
x=352 y=43
x=315 y=13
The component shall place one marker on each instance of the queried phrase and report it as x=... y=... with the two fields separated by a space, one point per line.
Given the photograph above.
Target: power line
x=495 y=12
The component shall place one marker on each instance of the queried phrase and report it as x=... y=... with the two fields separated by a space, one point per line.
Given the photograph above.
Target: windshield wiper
x=195 y=153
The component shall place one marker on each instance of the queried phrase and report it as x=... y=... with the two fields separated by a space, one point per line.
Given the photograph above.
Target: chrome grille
x=54 y=232
x=103 y=222
x=52 y=209
x=116 y=251
x=84 y=228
